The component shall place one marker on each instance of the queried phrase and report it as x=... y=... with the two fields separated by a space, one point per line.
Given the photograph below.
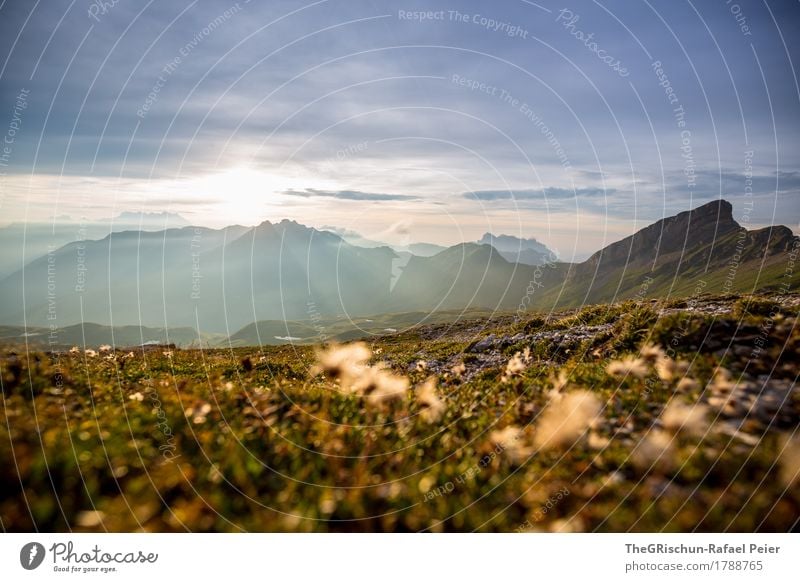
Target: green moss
x=276 y=450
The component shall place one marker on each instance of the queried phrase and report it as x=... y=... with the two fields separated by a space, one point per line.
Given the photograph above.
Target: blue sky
x=545 y=119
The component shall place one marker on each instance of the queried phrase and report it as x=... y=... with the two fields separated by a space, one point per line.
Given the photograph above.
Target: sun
x=237 y=195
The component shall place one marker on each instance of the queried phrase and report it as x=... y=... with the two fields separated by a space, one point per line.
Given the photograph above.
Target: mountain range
x=221 y=281
x=23 y=242
x=527 y=251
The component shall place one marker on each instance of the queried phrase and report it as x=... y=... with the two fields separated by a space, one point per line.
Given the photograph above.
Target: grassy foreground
x=677 y=416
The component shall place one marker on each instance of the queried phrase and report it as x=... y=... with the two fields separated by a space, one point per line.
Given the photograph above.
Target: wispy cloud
x=425 y=121
x=531 y=194
x=713 y=183
x=348 y=195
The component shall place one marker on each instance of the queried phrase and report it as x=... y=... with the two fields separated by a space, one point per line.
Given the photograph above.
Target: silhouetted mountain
x=527 y=251
x=288 y=271
x=21 y=243
x=702 y=248
x=465 y=275
x=425 y=249
x=219 y=281
x=126 y=278
x=148 y=221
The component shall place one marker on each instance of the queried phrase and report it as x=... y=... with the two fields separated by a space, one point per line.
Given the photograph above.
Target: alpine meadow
x=378 y=268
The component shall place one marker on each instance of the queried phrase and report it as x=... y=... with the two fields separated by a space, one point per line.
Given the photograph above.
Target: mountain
x=467 y=275
x=148 y=221
x=425 y=249
x=93 y=335
x=527 y=251
x=352 y=237
x=220 y=281
x=125 y=278
x=704 y=248
x=288 y=271
x=21 y=243
x=214 y=280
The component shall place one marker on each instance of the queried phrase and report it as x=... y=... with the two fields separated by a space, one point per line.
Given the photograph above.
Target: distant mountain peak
x=492 y=239
x=528 y=251
x=276 y=271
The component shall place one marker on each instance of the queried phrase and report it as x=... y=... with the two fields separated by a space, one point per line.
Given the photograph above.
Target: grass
x=247 y=439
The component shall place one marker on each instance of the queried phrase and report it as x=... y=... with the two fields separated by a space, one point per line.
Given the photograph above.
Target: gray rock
x=485 y=344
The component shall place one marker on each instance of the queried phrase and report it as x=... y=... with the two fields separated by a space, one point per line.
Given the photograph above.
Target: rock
x=485 y=344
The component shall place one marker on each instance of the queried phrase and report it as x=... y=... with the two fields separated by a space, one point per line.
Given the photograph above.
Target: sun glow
x=241 y=194
x=238 y=195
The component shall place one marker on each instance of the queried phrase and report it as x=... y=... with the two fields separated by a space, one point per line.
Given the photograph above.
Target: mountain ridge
x=222 y=280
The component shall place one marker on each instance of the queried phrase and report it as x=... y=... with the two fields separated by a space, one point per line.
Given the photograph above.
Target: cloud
x=711 y=183
x=530 y=194
x=594 y=175
x=338 y=230
x=401 y=227
x=347 y=195
x=177 y=201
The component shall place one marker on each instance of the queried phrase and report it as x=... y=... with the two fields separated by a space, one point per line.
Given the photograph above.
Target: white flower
x=560 y=382
x=512 y=442
x=723 y=382
x=565 y=420
x=387 y=387
x=348 y=364
x=89 y=518
x=344 y=363
x=687 y=384
x=655 y=450
x=669 y=369
x=596 y=441
x=629 y=365
x=516 y=365
x=789 y=460
x=652 y=353
x=679 y=417
x=573 y=525
x=665 y=368
x=430 y=405
x=199 y=412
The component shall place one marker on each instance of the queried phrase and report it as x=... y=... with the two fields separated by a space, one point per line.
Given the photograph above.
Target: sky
x=432 y=121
